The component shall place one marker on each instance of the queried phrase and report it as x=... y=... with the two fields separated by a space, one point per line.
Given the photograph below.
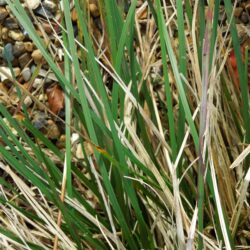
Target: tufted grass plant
x=163 y=130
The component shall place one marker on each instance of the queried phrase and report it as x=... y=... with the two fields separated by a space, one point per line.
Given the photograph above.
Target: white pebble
x=33 y=4
x=37 y=83
x=26 y=73
x=28 y=101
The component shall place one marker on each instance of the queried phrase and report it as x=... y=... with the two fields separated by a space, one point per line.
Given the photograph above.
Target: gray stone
x=11 y=23
x=50 y=75
x=18 y=48
x=8 y=52
x=44 y=12
x=2 y=3
x=39 y=120
x=244 y=18
x=26 y=73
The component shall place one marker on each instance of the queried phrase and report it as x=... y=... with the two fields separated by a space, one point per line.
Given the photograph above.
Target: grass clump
x=161 y=127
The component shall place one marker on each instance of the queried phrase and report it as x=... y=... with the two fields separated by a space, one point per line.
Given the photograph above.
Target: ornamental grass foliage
x=124 y=124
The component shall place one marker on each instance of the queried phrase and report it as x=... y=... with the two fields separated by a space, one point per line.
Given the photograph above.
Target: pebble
x=3 y=89
x=37 y=56
x=4 y=97
x=42 y=98
x=79 y=152
x=94 y=10
x=4 y=33
x=2 y=3
x=18 y=48
x=238 y=11
x=19 y=117
x=50 y=6
x=24 y=59
x=29 y=46
x=11 y=23
x=39 y=120
x=8 y=52
x=3 y=14
x=74 y=138
x=26 y=73
x=16 y=35
x=43 y=12
x=47 y=28
x=50 y=75
x=53 y=131
x=244 y=17
x=33 y=4
x=27 y=101
x=37 y=83
x=61 y=142
x=7 y=71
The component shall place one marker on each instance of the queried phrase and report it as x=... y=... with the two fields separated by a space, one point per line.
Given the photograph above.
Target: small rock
x=8 y=52
x=27 y=101
x=39 y=120
x=43 y=12
x=79 y=152
x=2 y=3
x=53 y=131
x=16 y=35
x=237 y=11
x=8 y=72
x=4 y=33
x=3 y=89
x=37 y=83
x=94 y=10
x=4 y=97
x=18 y=48
x=50 y=6
x=37 y=56
x=29 y=46
x=26 y=73
x=3 y=14
x=19 y=117
x=33 y=4
x=61 y=142
x=47 y=80
x=42 y=98
x=47 y=28
x=26 y=85
x=24 y=59
x=74 y=138
x=244 y=18
x=49 y=76
x=87 y=148
x=11 y=23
